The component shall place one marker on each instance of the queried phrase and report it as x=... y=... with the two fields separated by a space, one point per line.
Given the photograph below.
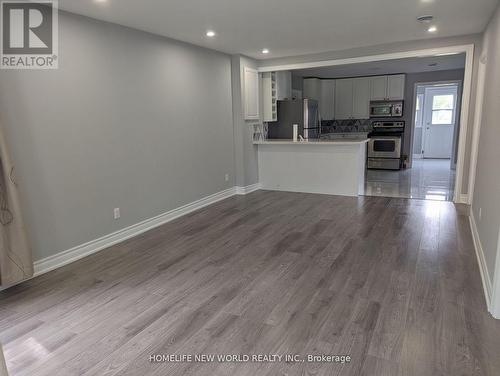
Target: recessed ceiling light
x=100 y=1
x=265 y=51
x=432 y=29
x=210 y=33
x=425 y=18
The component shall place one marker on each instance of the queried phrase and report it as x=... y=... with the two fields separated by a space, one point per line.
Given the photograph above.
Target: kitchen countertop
x=345 y=141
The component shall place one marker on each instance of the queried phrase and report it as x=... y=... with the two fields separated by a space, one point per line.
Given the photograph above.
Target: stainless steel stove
x=385 y=145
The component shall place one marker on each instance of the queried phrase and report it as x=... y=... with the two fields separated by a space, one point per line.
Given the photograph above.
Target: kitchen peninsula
x=335 y=167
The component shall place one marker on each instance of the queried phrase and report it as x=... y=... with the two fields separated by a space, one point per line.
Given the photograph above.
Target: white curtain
x=16 y=263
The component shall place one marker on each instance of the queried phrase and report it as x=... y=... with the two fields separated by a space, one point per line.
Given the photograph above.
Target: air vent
x=425 y=19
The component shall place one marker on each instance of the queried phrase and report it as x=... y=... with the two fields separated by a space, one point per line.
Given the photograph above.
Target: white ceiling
x=409 y=65
x=290 y=27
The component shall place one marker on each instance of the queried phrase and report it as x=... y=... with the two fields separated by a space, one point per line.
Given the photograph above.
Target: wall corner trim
x=483 y=269
x=248 y=189
x=76 y=253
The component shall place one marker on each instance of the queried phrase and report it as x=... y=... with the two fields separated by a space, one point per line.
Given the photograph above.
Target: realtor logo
x=29 y=35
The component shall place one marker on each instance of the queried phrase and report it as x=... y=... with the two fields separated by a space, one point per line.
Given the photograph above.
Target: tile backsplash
x=346 y=126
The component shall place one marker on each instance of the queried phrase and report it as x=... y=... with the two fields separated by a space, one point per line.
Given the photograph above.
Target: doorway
x=435 y=137
x=435 y=117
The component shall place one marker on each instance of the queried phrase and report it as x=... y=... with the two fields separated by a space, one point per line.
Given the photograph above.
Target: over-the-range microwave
x=386 y=109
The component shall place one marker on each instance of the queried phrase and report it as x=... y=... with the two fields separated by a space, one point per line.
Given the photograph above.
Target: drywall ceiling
x=290 y=27
x=410 y=65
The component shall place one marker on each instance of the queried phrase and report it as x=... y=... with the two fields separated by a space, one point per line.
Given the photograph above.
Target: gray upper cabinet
x=378 y=91
x=343 y=98
x=283 y=85
x=327 y=100
x=312 y=89
x=387 y=87
x=396 y=87
x=349 y=98
x=361 y=98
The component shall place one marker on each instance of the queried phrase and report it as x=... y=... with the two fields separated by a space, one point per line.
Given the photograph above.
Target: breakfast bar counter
x=334 y=167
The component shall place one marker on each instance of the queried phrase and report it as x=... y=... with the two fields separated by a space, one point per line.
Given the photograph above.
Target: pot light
x=432 y=29
x=265 y=51
x=210 y=33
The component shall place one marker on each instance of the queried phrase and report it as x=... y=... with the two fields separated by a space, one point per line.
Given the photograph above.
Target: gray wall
x=411 y=80
x=475 y=39
x=129 y=120
x=487 y=186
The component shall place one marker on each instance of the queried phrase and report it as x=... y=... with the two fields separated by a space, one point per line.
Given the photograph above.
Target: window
x=442 y=109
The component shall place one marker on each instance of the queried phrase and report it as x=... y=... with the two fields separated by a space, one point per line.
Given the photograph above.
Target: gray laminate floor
x=429 y=179
x=393 y=283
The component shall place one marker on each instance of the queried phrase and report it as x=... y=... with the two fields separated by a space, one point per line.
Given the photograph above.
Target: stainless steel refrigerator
x=303 y=112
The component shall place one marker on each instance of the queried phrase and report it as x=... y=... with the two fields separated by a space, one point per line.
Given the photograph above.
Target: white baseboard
x=66 y=257
x=248 y=189
x=483 y=269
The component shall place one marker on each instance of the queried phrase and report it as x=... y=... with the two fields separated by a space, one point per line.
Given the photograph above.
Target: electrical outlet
x=480 y=213
x=116 y=213
x=226 y=177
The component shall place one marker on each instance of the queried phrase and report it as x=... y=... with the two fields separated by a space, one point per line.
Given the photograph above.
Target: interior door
x=439 y=119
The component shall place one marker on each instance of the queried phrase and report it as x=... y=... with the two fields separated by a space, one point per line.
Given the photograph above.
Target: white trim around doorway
x=458 y=83
x=468 y=49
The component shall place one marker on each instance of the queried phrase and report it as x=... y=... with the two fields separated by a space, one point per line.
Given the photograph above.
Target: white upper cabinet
x=251 y=94
x=387 y=87
x=361 y=98
x=396 y=87
x=283 y=85
x=343 y=98
x=378 y=88
x=327 y=100
x=312 y=89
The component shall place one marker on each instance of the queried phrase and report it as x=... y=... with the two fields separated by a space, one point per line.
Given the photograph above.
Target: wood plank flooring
x=393 y=283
